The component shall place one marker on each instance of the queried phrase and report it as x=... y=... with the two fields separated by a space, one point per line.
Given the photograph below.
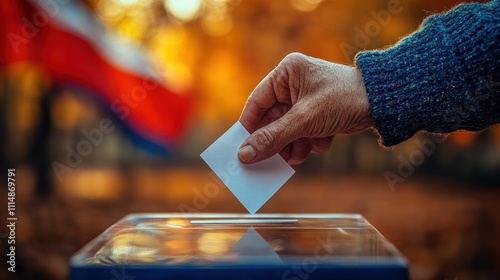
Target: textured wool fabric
x=443 y=77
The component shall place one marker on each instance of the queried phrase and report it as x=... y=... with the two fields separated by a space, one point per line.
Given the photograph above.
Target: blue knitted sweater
x=443 y=77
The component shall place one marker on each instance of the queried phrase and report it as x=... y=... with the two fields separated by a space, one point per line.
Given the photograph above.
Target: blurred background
x=89 y=147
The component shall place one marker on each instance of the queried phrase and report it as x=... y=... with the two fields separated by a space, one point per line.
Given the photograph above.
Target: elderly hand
x=300 y=106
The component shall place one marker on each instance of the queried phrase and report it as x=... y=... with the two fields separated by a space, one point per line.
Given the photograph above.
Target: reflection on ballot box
x=240 y=246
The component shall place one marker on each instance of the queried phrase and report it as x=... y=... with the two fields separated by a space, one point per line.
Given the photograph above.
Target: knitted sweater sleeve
x=443 y=77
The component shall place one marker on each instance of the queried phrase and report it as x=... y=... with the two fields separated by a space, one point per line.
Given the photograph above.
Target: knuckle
x=296 y=66
x=265 y=140
x=294 y=57
x=294 y=61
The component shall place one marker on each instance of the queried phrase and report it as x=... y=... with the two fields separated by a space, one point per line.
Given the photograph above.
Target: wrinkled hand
x=300 y=106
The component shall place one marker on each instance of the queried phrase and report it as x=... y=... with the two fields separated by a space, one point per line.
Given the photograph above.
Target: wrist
x=365 y=119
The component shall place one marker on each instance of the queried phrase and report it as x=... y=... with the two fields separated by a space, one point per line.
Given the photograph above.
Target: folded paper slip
x=252 y=184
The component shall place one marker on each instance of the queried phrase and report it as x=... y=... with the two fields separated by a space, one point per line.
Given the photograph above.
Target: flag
x=77 y=51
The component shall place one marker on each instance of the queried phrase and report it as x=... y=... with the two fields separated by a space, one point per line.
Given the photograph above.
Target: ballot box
x=239 y=246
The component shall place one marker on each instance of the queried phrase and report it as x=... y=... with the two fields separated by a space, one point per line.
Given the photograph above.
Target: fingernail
x=247 y=153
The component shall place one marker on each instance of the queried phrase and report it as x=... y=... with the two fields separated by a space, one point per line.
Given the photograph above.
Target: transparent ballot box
x=240 y=246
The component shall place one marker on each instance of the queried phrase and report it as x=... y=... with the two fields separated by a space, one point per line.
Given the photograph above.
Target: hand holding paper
x=252 y=184
x=300 y=106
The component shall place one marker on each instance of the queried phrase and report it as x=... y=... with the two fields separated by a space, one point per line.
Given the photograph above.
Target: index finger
x=260 y=100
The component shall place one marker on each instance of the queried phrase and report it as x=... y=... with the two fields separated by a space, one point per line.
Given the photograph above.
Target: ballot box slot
x=243 y=221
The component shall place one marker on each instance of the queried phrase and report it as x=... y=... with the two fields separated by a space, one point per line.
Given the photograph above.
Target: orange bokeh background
x=443 y=216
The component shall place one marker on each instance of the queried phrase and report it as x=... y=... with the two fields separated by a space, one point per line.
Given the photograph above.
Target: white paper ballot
x=252 y=184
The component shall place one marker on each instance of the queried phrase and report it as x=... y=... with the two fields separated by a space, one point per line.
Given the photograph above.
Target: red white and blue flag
x=76 y=50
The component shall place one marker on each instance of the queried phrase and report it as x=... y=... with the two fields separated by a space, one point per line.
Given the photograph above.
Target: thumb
x=269 y=140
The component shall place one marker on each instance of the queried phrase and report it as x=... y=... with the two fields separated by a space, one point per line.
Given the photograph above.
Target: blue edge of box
x=308 y=271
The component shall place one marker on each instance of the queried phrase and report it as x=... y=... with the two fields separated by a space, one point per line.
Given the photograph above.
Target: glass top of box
x=180 y=240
